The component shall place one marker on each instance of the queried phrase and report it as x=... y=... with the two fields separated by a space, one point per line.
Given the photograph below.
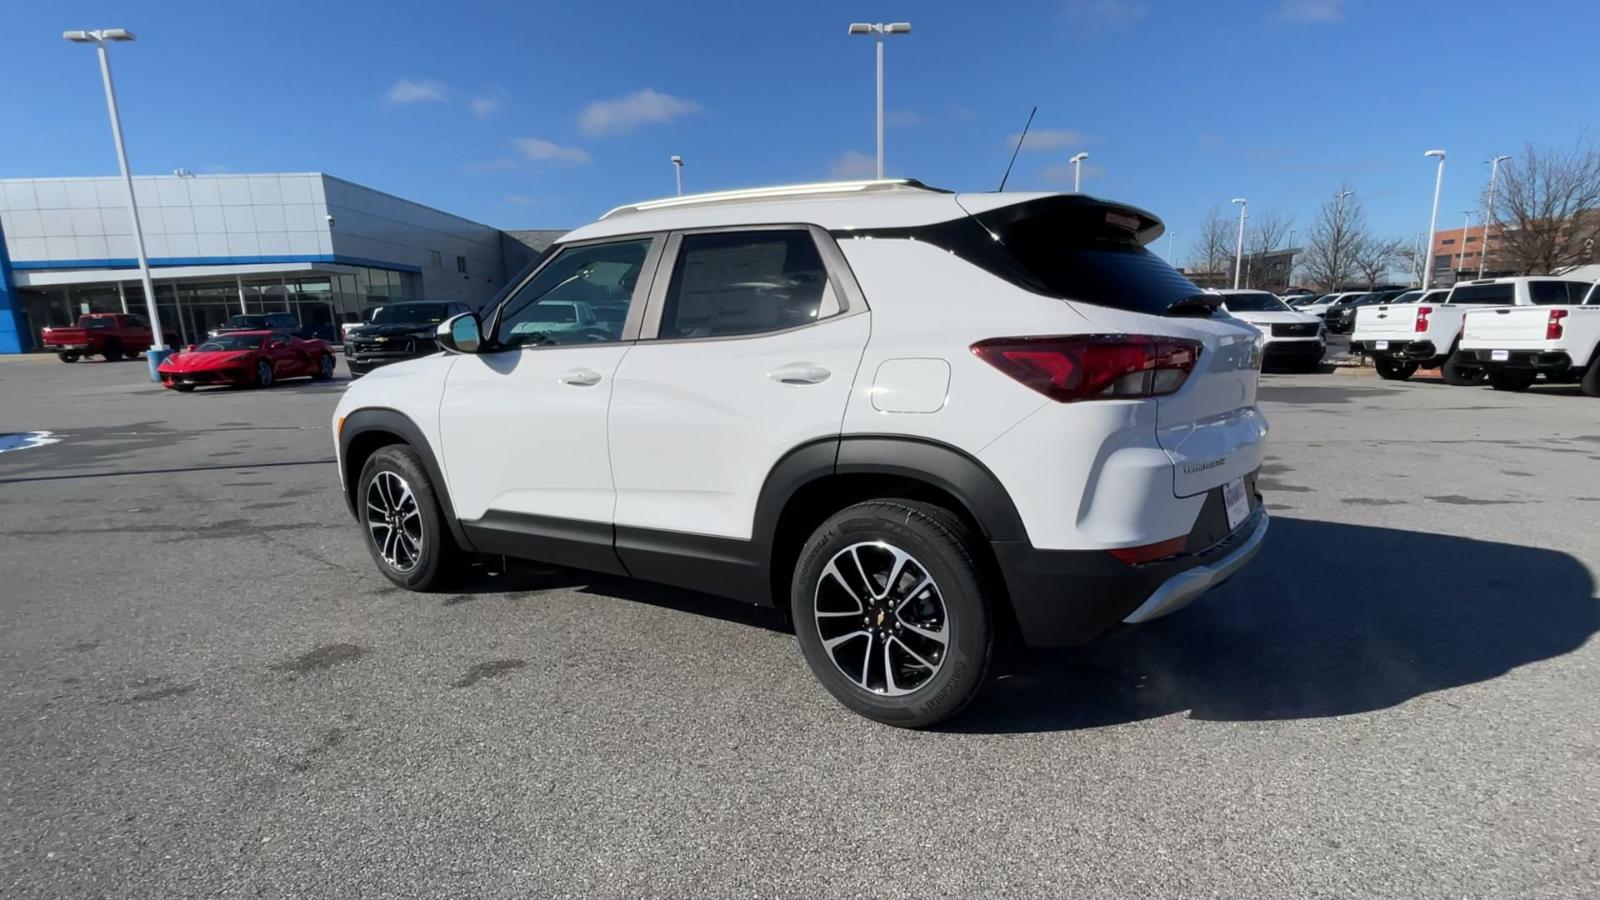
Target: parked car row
x=1506 y=331
x=1290 y=338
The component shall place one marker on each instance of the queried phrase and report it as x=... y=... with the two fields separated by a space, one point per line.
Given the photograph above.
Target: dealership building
x=318 y=246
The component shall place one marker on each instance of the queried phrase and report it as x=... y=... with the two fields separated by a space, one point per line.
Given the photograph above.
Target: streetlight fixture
x=1488 y=214
x=1466 y=226
x=677 y=173
x=1077 y=170
x=158 y=346
x=1433 y=220
x=880 y=29
x=1238 y=248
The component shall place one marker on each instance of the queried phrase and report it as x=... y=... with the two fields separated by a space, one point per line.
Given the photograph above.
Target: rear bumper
x=1534 y=360
x=1065 y=598
x=1397 y=348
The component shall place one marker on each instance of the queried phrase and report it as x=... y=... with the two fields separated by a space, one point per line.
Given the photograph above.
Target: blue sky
x=535 y=114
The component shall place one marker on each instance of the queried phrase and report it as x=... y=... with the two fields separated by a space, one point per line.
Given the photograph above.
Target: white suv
x=911 y=420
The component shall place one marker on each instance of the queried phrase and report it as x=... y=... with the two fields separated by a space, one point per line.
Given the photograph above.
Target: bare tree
x=1548 y=210
x=1212 y=252
x=1375 y=258
x=1334 y=241
x=1265 y=232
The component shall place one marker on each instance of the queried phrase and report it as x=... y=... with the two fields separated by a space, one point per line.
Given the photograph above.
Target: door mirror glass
x=460 y=334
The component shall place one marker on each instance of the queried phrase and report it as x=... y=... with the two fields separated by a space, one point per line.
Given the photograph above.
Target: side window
x=582 y=296
x=136 y=321
x=745 y=282
x=277 y=340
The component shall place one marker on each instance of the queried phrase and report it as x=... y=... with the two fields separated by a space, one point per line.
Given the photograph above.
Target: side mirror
x=460 y=334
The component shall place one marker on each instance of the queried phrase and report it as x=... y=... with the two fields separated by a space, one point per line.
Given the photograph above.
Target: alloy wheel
x=263 y=374
x=881 y=618
x=394 y=521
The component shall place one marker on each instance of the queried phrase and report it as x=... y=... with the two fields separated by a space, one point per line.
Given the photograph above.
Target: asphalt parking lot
x=210 y=690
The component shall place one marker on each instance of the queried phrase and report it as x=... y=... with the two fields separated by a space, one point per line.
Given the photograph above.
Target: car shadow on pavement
x=1330 y=619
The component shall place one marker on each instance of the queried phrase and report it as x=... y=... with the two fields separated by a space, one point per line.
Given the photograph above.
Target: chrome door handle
x=799 y=373
x=580 y=377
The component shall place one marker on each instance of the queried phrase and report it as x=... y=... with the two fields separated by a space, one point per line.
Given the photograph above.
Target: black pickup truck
x=396 y=331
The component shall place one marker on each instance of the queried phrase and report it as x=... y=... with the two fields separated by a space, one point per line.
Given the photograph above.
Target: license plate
x=1237 y=499
x=1499 y=355
x=1380 y=345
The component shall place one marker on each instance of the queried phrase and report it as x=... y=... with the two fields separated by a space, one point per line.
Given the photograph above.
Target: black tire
x=1455 y=372
x=264 y=374
x=1391 y=369
x=436 y=560
x=112 y=352
x=1590 y=383
x=939 y=544
x=183 y=388
x=1511 y=380
x=324 y=368
x=68 y=356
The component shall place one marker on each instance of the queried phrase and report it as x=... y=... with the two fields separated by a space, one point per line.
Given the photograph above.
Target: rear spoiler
x=1090 y=213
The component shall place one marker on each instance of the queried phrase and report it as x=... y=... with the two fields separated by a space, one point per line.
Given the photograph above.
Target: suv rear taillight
x=1422 y=318
x=1553 y=329
x=1070 y=368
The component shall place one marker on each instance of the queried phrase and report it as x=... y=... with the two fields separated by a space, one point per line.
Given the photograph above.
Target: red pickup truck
x=112 y=335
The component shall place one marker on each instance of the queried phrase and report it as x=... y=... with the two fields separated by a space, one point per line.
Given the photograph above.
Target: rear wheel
x=1590 y=384
x=890 y=611
x=264 y=376
x=1455 y=372
x=1392 y=369
x=68 y=356
x=1511 y=380
x=324 y=368
x=404 y=523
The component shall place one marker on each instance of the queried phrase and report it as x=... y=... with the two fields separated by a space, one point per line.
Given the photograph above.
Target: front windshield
x=1253 y=302
x=410 y=314
x=230 y=342
x=1407 y=297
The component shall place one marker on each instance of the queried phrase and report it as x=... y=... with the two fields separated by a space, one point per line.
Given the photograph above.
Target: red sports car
x=241 y=358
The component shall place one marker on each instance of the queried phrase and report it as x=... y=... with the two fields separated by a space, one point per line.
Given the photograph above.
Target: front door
x=525 y=448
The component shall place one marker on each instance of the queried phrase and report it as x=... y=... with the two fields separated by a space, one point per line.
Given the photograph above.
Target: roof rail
x=778 y=192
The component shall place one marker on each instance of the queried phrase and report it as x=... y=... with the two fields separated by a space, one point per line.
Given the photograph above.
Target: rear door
x=748 y=350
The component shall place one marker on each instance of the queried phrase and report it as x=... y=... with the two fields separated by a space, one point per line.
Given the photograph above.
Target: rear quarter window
x=1492 y=294
x=1555 y=293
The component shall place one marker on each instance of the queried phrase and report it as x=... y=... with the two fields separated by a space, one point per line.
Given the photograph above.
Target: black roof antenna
x=1020 y=138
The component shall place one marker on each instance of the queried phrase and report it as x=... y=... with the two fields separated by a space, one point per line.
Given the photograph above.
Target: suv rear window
x=1087 y=252
x=1503 y=294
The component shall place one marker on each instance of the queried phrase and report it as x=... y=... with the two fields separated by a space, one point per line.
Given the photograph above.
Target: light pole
x=1488 y=214
x=1288 y=275
x=1238 y=248
x=1170 y=236
x=1466 y=225
x=1433 y=220
x=158 y=346
x=1077 y=170
x=880 y=29
x=677 y=173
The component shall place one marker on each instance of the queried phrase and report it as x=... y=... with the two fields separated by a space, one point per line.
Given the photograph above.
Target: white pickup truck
x=1559 y=338
x=1402 y=338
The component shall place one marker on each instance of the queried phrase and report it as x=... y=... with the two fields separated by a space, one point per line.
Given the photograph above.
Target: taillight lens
x=1554 y=329
x=1422 y=318
x=1070 y=368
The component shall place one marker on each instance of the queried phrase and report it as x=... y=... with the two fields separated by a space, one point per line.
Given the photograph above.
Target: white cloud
x=1311 y=10
x=903 y=118
x=541 y=150
x=852 y=165
x=1104 y=15
x=484 y=105
x=407 y=91
x=624 y=114
x=1045 y=139
x=518 y=199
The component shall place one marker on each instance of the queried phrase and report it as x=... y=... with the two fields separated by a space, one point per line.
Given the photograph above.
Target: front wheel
x=404 y=523
x=183 y=388
x=264 y=377
x=324 y=368
x=1394 y=369
x=890 y=611
x=1511 y=380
